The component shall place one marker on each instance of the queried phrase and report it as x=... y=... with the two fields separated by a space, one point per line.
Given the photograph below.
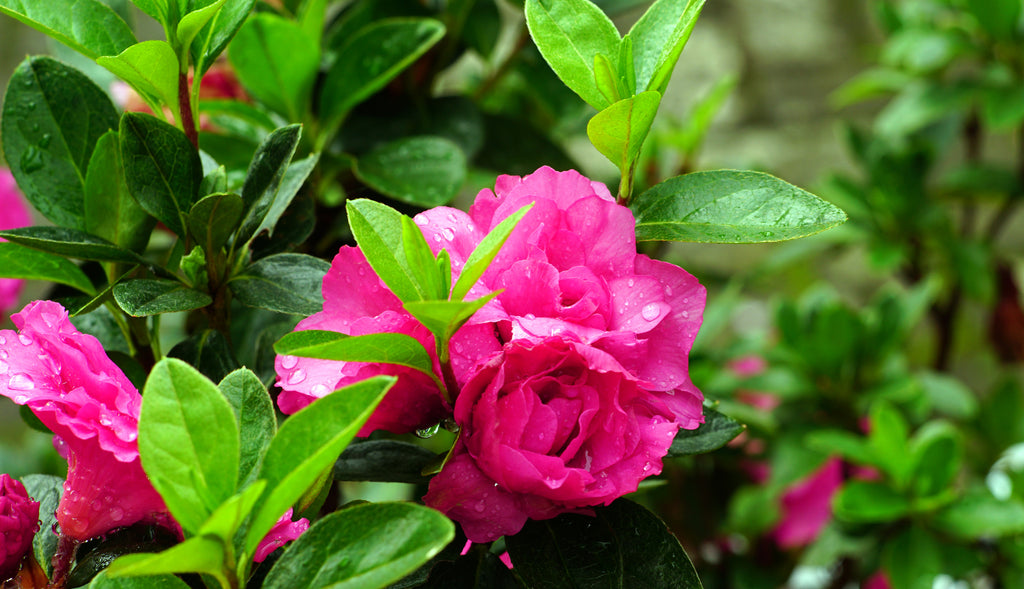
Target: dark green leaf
x=213 y=219
x=162 y=168
x=96 y=555
x=277 y=63
x=199 y=554
x=384 y=460
x=102 y=581
x=623 y=546
x=378 y=231
x=307 y=445
x=385 y=348
x=110 y=210
x=569 y=33
x=728 y=206
x=937 y=454
x=912 y=559
x=53 y=115
x=70 y=243
x=47 y=490
x=367 y=545
x=425 y=171
x=143 y=297
x=294 y=177
x=286 y=283
x=188 y=442
x=716 y=431
x=658 y=40
x=17 y=261
x=151 y=67
x=371 y=59
x=618 y=131
x=256 y=419
x=208 y=352
x=1000 y=18
x=263 y=181
x=87 y=26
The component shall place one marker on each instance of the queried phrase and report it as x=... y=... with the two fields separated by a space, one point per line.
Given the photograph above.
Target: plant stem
x=63 y=558
x=188 y=123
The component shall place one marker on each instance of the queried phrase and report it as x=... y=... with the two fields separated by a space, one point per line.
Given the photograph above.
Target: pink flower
x=571 y=267
x=878 y=580
x=356 y=302
x=807 y=506
x=284 y=531
x=13 y=214
x=68 y=381
x=548 y=426
x=19 y=521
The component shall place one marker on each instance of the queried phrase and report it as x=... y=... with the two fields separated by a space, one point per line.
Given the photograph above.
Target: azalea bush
x=295 y=247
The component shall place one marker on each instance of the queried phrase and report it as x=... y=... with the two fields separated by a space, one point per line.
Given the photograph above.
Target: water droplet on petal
x=297 y=377
x=685 y=314
x=116 y=513
x=630 y=283
x=3 y=340
x=25 y=339
x=479 y=507
x=319 y=390
x=21 y=382
x=289 y=362
x=649 y=312
x=448 y=233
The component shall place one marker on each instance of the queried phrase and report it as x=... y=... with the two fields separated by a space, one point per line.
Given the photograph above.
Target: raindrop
x=479 y=507
x=448 y=233
x=428 y=432
x=44 y=142
x=31 y=104
x=4 y=367
x=32 y=159
x=25 y=339
x=630 y=283
x=649 y=312
x=289 y=362
x=116 y=513
x=686 y=314
x=319 y=390
x=297 y=377
x=105 y=421
x=21 y=382
x=3 y=340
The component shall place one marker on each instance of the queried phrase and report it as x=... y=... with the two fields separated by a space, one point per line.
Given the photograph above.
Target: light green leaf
x=88 y=26
x=151 y=68
x=215 y=35
x=444 y=318
x=484 y=253
x=618 y=131
x=257 y=420
x=658 y=40
x=17 y=261
x=104 y=581
x=426 y=171
x=425 y=270
x=200 y=554
x=228 y=517
x=384 y=348
x=378 y=231
x=729 y=206
x=190 y=24
x=980 y=515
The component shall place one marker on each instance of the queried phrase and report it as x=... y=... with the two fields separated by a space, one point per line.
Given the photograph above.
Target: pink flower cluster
x=572 y=383
x=13 y=214
x=19 y=520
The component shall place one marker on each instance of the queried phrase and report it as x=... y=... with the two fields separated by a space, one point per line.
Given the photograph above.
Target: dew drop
x=668 y=290
x=428 y=432
x=319 y=390
x=451 y=217
x=297 y=377
x=21 y=399
x=116 y=513
x=32 y=159
x=44 y=141
x=448 y=233
x=105 y=421
x=649 y=312
x=25 y=339
x=4 y=367
x=421 y=221
x=289 y=362
x=686 y=314
x=630 y=283
x=479 y=507
x=21 y=382
x=3 y=340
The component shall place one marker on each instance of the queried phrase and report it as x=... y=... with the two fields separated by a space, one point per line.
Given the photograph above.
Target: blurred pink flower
x=284 y=531
x=13 y=214
x=68 y=381
x=878 y=580
x=548 y=427
x=807 y=506
x=19 y=521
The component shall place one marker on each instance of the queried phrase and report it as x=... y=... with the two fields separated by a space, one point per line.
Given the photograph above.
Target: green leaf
x=389 y=461
x=845 y=444
x=307 y=444
x=103 y=581
x=162 y=168
x=606 y=78
x=53 y=115
x=384 y=348
x=936 y=456
x=257 y=421
x=618 y=131
x=698 y=120
x=425 y=171
x=368 y=545
x=143 y=297
x=277 y=63
x=422 y=262
x=193 y=22
x=294 y=177
x=286 y=283
x=623 y=546
x=483 y=254
x=188 y=442
x=151 y=68
x=229 y=516
x=444 y=318
x=213 y=219
x=728 y=206
x=888 y=440
x=1000 y=18
x=866 y=502
x=70 y=243
x=265 y=176
x=209 y=352
x=200 y=554
x=110 y=210
x=948 y=395
x=371 y=58
x=716 y=431
x=569 y=34
x=378 y=231
x=87 y=26
x=154 y=8
x=658 y=40
x=17 y=261
x=47 y=490
x=979 y=515
x=91 y=559
x=913 y=558
x=215 y=35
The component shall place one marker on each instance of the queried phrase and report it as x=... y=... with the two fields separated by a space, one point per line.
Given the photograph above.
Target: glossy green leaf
x=728 y=206
x=110 y=210
x=104 y=581
x=70 y=243
x=264 y=178
x=88 y=26
x=658 y=40
x=286 y=283
x=307 y=444
x=277 y=63
x=980 y=515
x=483 y=254
x=92 y=558
x=47 y=490
x=53 y=115
x=716 y=431
x=864 y=502
x=17 y=261
x=209 y=352
x=625 y=545
x=569 y=34
x=257 y=421
x=213 y=219
x=294 y=177
x=162 y=168
x=422 y=262
x=384 y=348
x=213 y=38
x=618 y=131
x=145 y=296
x=199 y=554
x=384 y=460
x=188 y=442
x=229 y=516
x=425 y=171
x=373 y=57
x=369 y=545
x=151 y=68
x=378 y=231
x=154 y=8
x=607 y=79
x=193 y=22
x=444 y=318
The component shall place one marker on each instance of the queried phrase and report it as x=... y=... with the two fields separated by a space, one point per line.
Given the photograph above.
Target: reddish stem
x=63 y=559
x=188 y=124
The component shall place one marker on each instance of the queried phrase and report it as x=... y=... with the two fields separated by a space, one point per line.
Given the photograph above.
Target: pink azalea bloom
x=878 y=580
x=284 y=531
x=807 y=506
x=548 y=427
x=13 y=214
x=19 y=521
x=68 y=381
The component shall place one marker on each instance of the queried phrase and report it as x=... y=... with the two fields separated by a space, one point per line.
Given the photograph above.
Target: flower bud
x=19 y=521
